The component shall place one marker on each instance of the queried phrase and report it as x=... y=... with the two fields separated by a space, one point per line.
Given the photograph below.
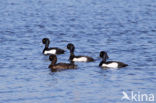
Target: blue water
x=126 y=29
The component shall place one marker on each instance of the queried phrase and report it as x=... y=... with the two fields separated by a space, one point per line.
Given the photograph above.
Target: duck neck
x=54 y=61
x=104 y=60
x=46 y=46
x=71 y=55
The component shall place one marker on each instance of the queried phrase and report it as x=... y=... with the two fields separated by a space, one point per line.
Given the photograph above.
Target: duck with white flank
x=74 y=58
x=109 y=64
x=48 y=51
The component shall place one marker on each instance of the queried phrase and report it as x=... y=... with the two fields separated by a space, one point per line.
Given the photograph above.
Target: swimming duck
x=60 y=66
x=48 y=51
x=74 y=58
x=109 y=64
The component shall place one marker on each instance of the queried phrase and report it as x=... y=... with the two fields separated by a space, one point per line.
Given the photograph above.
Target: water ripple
x=125 y=29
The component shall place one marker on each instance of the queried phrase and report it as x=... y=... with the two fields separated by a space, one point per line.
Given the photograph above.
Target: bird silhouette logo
x=125 y=96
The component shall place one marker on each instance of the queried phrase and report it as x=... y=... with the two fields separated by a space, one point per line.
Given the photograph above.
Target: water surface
x=126 y=29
